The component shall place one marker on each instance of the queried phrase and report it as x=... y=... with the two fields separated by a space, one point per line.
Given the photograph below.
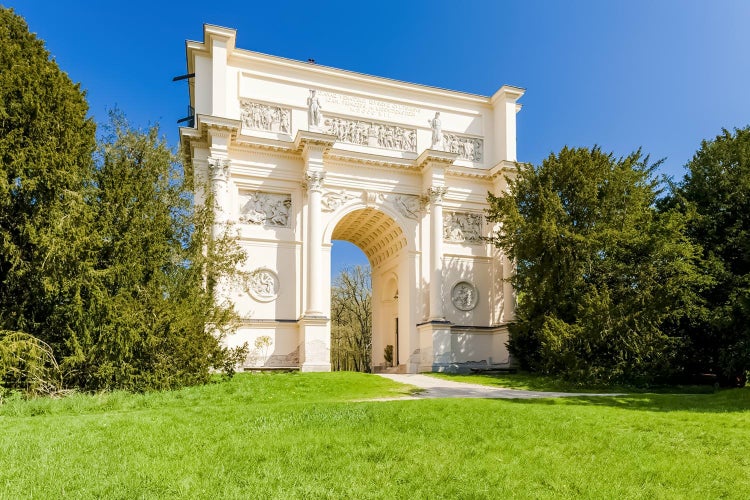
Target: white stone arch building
x=300 y=154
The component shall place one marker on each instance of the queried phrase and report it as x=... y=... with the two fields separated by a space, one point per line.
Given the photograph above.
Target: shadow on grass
x=703 y=399
x=725 y=401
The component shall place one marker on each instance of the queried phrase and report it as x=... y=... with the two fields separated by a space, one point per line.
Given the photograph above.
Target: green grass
x=298 y=436
x=534 y=382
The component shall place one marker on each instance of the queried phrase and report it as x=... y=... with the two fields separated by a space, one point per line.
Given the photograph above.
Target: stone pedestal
x=315 y=348
x=435 y=345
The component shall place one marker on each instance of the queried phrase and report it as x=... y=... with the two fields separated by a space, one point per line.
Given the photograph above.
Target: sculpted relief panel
x=261 y=116
x=263 y=285
x=265 y=209
x=335 y=199
x=409 y=205
x=374 y=134
x=464 y=296
x=462 y=227
x=365 y=132
x=467 y=148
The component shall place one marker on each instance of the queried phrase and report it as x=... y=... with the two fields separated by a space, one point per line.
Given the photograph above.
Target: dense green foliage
x=603 y=276
x=46 y=143
x=716 y=194
x=148 y=306
x=351 y=320
x=105 y=264
x=297 y=436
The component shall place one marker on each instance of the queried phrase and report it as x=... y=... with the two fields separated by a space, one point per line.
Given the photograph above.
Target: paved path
x=439 y=388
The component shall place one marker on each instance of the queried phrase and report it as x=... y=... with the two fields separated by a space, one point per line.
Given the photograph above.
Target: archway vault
x=372 y=230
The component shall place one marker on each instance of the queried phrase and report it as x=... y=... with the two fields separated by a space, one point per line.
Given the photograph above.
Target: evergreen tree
x=716 y=191
x=149 y=306
x=46 y=142
x=107 y=267
x=602 y=276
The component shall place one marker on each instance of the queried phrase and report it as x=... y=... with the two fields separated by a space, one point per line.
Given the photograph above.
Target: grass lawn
x=299 y=436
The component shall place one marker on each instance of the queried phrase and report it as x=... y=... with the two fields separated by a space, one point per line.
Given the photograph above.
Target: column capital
x=218 y=168
x=435 y=194
x=314 y=181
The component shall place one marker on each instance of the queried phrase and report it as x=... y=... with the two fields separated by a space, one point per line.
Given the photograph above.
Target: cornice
x=467 y=172
x=253 y=143
x=363 y=78
x=502 y=168
x=306 y=139
x=211 y=32
x=429 y=156
x=507 y=92
x=346 y=158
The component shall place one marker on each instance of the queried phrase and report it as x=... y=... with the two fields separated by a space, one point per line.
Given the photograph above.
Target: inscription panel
x=373 y=108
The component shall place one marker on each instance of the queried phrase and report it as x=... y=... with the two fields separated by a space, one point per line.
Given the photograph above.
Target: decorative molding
x=373 y=134
x=259 y=116
x=464 y=296
x=265 y=209
x=467 y=148
x=263 y=285
x=332 y=200
x=314 y=180
x=460 y=227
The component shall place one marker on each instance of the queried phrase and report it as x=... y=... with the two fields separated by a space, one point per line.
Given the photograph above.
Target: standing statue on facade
x=315 y=117
x=437 y=131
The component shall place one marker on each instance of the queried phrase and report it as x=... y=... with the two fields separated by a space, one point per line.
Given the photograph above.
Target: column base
x=435 y=344
x=315 y=344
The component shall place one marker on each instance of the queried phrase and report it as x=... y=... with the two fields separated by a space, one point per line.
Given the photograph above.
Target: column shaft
x=436 y=253
x=314 y=245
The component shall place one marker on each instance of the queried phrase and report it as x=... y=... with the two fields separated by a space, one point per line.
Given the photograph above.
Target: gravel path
x=439 y=388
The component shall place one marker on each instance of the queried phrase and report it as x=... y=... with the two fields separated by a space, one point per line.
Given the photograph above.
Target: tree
x=351 y=318
x=148 y=303
x=106 y=266
x=602 y=276
x=715 y=192
x=46 y=142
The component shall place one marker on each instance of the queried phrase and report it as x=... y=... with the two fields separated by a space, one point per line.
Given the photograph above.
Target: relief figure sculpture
x=437 y=131
x=314 y=112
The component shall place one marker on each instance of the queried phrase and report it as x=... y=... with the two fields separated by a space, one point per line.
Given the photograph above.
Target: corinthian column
x=314 y=185
x=218 y=171
x=435 y=195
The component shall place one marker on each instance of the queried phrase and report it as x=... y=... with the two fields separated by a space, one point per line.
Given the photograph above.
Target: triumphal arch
x=298 y=154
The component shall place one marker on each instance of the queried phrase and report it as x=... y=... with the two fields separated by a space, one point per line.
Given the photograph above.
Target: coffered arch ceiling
x=376 y=233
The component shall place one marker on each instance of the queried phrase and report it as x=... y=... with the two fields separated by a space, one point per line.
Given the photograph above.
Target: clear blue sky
x=657 y=74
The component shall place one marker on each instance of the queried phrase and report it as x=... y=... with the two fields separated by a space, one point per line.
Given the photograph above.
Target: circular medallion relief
x=464 y=296
x=263 y=285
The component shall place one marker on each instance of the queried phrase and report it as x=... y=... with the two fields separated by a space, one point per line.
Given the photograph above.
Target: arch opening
x=384 y=243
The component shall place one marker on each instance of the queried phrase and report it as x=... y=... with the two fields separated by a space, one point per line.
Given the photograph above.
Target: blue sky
x=661 y=75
